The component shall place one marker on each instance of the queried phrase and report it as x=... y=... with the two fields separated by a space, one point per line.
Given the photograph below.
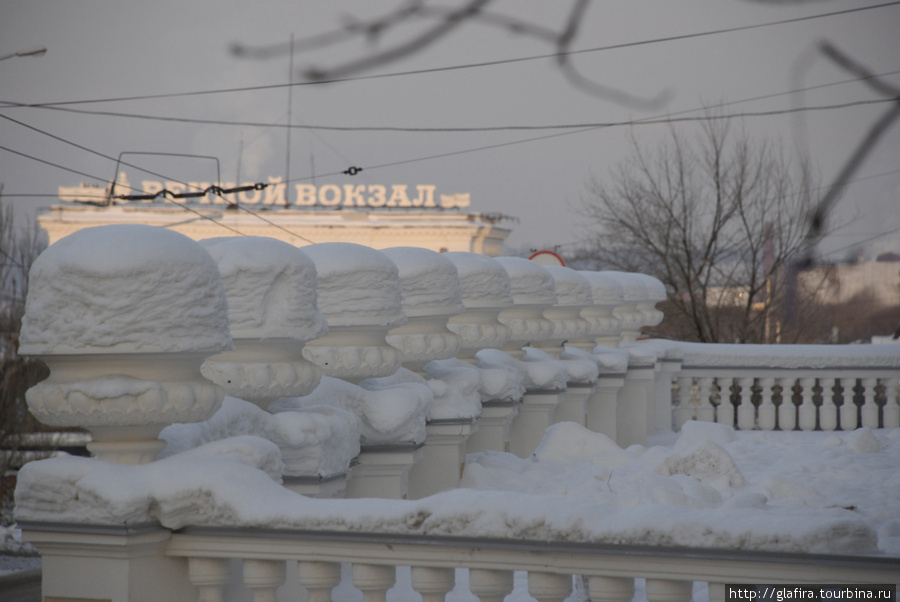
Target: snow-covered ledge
x=634 y=292
x=533 y=292
x=124 y=316
x=431 y=296
x=486 y=293
x=272 y=312
x=607 y=294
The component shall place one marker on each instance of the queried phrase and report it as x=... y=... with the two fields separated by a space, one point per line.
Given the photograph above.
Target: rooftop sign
x=276 y=193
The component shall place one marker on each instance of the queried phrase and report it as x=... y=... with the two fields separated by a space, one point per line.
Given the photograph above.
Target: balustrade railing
x=791 y=387
x=310 y=563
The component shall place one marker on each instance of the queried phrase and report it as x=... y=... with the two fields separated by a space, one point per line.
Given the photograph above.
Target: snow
x=485 y=284
x=429 y=281
x=356 y=285
x=572 y=289
x=271 y=288
x=605 y=289
x=788 y=356
x=633 y=287
x=530 y=283
x=713 y=488
x=124 y=289
x=390 y=410
x=538 y=369
x=317 y=440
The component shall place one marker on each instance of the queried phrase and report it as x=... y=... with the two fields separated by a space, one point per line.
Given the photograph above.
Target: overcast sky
x=111 y=49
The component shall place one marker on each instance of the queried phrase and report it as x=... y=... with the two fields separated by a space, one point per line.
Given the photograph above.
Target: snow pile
x=633 y=287
x=124 y=289
x=314 y=441
x=356 y=285
x=390 y=411
x=610 y=361
x=714 y=488
x=429 y=281
x=271 y=288
x=500 y=381
x=457 y=388
x=581 y=366
x=483 y=280
x=530 y=283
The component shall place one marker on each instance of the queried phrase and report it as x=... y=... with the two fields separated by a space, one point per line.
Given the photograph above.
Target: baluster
x=319 y=578
x=611 y=589
x=667 y=590
x=549 y=587
x=870 y=408
x=433 y=584
x=685 y=409
x=263 y=577
x=705 y=409
x=828 y=411
x=746 y=412
x=807 y=412
x=848 y=411
x=725 y=410
x=209 y=576
x=787 y=411
x=766 y=406
x=891 y=409
x=490 y=586
x=373 y=581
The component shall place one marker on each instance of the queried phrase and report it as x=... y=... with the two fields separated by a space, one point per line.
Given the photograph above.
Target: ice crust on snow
x=803 y=492
x=356 y=285
x=530 y=283
x=485 y=284
x=271 y=288
x=429 y=281
x=124 y=289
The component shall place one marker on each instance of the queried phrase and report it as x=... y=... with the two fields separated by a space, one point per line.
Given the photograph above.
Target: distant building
x=374 y=215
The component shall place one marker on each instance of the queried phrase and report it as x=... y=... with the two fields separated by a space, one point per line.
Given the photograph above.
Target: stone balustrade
x=426 y=357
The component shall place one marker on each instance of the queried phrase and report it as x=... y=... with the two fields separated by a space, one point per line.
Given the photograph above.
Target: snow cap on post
x=530 y=282
x=356 y=285
x=485 y=284
x=271 y=288
x=429 y=281
x=572 y=289
x=605 y=289
x=124 y=289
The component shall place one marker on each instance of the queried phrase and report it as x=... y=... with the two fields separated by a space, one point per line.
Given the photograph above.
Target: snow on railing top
x=357 y=285
x=124 y=289
x=485 y=284
x=704 y=355
x=271 y=288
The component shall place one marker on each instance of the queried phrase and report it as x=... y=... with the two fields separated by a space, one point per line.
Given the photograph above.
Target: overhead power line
x=554 y=55
x=497 y=128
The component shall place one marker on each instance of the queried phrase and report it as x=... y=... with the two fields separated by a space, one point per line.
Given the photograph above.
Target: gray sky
x=114 y=49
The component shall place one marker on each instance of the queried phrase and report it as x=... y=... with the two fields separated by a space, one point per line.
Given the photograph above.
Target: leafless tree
x=19 y=247
x=716 y=217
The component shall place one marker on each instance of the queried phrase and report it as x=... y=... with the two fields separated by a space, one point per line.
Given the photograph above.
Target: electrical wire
x=554 y=55
x=471 y=129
